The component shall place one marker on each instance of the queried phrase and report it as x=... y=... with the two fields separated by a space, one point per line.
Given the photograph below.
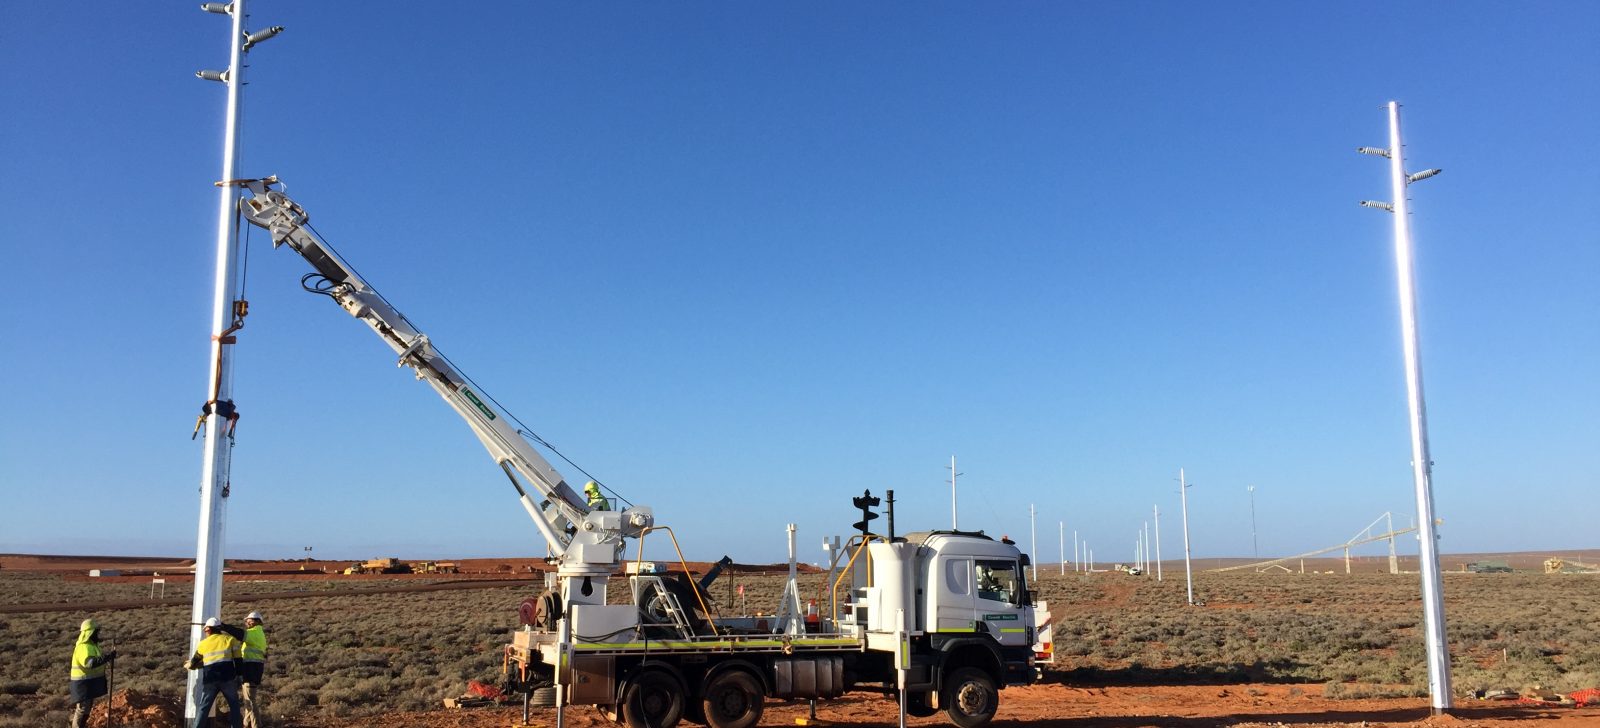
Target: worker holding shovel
x=89 y=666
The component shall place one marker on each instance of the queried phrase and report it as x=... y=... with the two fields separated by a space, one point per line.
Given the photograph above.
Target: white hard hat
x=253 y=615
x=213 y=622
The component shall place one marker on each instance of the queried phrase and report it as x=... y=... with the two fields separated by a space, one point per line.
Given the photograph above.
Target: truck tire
x=732 y=699
x=652 y=699
x=970 y=697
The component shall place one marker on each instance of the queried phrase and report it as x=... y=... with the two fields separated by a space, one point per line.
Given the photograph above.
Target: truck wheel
x=970 y=697
x=732 y=700
x=653 y=699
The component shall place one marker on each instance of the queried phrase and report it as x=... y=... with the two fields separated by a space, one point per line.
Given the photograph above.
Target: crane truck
x=941 y=620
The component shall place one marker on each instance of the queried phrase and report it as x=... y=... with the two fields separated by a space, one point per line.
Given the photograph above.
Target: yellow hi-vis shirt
x=255 y=644
x=82 y=653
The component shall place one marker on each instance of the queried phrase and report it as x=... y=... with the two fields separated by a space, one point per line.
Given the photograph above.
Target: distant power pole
x=1255 y=549
x=1421 y=462
x=1188 y=571
x=1077 y=556
x=1033 y=542
x=1063 y=526
x=1145 y=535
x=1158 y=542
x=953 y=475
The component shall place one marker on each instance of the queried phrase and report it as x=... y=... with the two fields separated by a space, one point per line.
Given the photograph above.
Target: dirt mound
x=139 y=710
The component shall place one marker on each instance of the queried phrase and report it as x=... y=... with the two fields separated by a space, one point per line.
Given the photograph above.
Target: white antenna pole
x=227 y=315
x=1255 y=548
x=1421 y=462
x=1077 y=556
x=1033 y=542
x=1158 y=542
x=1063 y=528
x=1188 y=571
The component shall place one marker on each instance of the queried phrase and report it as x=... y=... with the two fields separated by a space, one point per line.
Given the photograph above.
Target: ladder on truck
x=657 y=602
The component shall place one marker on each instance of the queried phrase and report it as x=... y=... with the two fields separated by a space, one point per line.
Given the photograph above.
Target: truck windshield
x=997 y=581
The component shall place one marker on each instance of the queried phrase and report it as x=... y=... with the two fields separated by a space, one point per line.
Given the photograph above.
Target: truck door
x=952 y=597
x=1000 y=600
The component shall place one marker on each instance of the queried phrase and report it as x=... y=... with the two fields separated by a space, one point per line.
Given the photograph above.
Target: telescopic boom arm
x=585 y=542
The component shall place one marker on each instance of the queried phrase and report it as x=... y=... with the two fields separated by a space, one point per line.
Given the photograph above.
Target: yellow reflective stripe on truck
x=718 y=645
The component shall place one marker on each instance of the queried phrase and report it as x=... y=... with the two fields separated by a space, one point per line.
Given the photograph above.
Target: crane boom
x=585 y=542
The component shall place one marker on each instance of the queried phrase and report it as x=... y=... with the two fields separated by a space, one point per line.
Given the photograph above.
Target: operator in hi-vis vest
x=217 y=659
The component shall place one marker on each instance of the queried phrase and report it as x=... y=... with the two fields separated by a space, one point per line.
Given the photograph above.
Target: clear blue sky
x=743 y=260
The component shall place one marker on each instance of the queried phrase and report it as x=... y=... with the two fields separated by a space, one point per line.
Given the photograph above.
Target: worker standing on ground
x=217 y=659
x=254 y=668
x=88 y=672
x=597 y=502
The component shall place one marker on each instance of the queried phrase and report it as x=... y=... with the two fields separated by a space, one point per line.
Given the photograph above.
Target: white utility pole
x=227 y=316
x=1033 y=543
x=1077 y=556
x=1255 y=548
x=1421 y=462
x=1144 y=534
x=1063 y=527
x=1158 y=542
x=1188 y=571
x=953 y=475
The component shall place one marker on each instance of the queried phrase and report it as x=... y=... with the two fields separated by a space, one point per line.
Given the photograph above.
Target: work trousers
x=247 y=704
x=208 y=696
x=80 y=714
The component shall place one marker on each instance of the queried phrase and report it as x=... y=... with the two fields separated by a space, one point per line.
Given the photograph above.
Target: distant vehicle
x=1489 y=567
x=379 y=566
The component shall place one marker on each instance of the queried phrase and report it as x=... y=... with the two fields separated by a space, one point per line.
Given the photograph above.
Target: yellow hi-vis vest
x=217 y=648
x=255 y=644
x=81 y=654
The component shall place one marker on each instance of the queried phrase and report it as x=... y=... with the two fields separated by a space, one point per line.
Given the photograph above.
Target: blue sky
x=743 y=260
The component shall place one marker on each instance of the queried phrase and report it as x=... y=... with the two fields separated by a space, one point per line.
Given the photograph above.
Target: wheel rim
x=655 y=703
x=730 y=703
x=972 y=698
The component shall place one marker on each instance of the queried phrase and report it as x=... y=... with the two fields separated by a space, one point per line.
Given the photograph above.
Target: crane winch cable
x=522 y=428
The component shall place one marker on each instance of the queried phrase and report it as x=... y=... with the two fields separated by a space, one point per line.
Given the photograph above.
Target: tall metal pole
x=1421 y=462
x=1077 y=556
x=1394 y=561
x=1145 y=535
x=953 y=475
x=1063 y=528
x=215 y=467
x=1033 y=542
x=1188 y=571
x=1255 y=548
x=1158 y=541
x=227 y=316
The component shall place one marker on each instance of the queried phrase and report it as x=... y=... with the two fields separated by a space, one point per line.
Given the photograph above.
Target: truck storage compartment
x=810 y=677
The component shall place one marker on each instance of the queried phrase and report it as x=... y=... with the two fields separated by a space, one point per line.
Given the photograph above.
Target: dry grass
x=1354 y=636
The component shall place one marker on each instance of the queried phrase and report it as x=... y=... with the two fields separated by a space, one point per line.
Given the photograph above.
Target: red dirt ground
x=1060 y=706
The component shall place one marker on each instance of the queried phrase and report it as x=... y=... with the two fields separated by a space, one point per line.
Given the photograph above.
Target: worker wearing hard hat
x=597 y=502
x=217 y=658
x=88 y=672
x=253 y=668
